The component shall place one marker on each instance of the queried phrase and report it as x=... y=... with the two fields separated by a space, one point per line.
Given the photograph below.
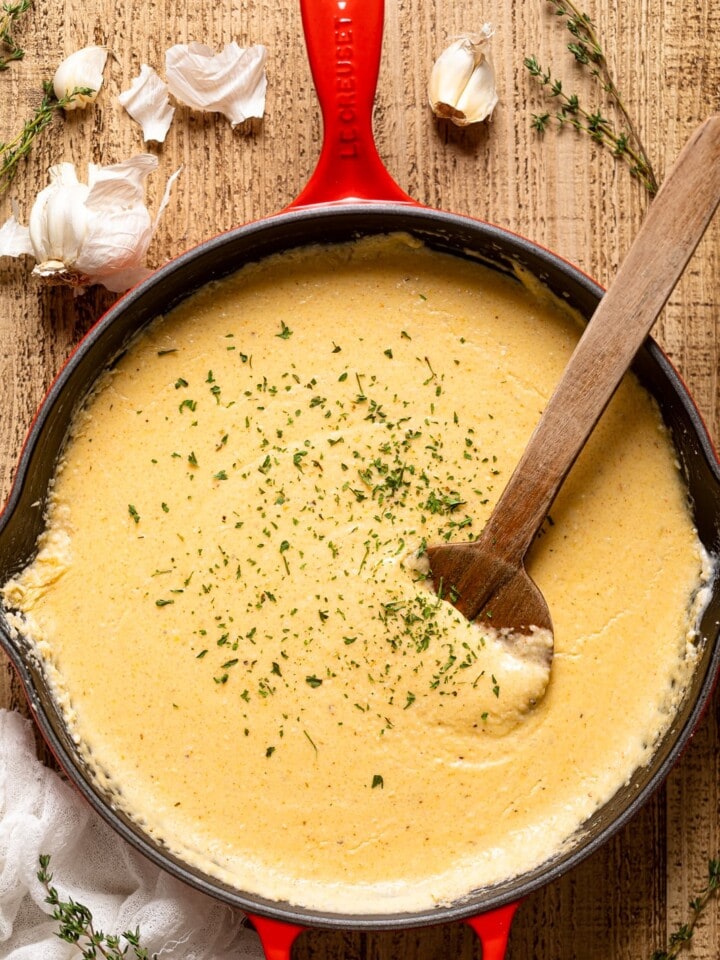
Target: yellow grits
x=230 y=593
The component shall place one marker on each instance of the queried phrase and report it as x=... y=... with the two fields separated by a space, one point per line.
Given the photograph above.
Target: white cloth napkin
x=41 y=814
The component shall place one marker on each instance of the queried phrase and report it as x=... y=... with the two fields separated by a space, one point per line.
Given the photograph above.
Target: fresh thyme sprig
x=10 y=13
x=12 y=152
x=76 y=926
x=588 y=53
x=684 y=932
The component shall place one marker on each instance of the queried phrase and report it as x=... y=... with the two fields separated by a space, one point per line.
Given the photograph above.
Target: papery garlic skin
x=462 y=82
x=147 y=103
x=82 y=69
x=119 y=228
x=99 y=232
x=14 y=239
x=232 y=82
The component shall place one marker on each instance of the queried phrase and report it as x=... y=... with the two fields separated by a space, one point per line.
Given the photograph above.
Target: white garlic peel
x=232 y=82
x=82 y=234
x=147 y=103
x=82 y=69
x=462 y=81
x=14 y=239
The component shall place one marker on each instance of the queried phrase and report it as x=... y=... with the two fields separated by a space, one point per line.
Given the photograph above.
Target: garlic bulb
x=99 y=232
x=147 y=103
x=231 y=82
x=462 y=82
x=58 y=221
x=84 y=68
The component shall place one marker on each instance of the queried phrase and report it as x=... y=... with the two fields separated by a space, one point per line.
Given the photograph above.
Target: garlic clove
x=232 y=82
x=450 y=75
x=82 y=69
x=479 y=98
x=147 y=103
x=462 y=82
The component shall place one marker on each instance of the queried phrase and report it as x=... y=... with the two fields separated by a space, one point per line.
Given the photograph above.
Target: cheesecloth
x=41 y=814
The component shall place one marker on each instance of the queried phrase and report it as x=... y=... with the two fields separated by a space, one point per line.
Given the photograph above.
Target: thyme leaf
x=683 y=934
x=621 y=139
x=10 y=13
x=12 y=152
x=76 y=926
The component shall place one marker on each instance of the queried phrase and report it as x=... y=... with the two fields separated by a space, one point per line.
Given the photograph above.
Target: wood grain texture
x=561 y=191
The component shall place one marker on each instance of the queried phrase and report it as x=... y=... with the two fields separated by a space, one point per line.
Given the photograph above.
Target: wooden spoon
x=486 y=579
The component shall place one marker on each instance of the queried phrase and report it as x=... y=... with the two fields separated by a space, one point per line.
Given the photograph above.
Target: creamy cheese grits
x=232 y=600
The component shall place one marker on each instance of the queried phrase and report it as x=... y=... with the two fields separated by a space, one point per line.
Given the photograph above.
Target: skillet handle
x=344 y=39
x=276 y=936
x=492 y=928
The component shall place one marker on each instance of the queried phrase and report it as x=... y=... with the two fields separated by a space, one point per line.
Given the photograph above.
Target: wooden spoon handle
x=672 y=228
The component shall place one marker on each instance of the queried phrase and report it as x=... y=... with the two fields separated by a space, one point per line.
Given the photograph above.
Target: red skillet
x=349 y=195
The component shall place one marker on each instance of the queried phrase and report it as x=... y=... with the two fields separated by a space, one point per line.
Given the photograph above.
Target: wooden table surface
x=561 y=191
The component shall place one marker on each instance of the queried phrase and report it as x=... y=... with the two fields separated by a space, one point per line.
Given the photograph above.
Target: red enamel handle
x=492 y=928
x=276 y=937
x=344 y=38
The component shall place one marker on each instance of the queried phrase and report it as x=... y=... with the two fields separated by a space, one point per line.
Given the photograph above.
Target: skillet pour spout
x=342 y=205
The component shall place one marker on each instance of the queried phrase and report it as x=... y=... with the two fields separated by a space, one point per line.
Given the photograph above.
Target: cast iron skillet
x=351 y=195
